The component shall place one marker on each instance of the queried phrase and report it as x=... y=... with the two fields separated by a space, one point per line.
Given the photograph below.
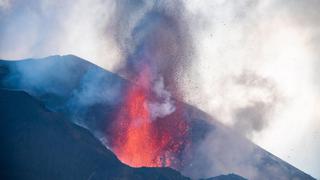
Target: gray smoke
x=154 y=34
x=257 y=113
x=277 y=42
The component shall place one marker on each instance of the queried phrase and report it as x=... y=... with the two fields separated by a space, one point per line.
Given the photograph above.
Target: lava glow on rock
x=140 y=141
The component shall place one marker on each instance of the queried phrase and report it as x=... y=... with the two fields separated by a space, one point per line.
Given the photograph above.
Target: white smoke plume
x=165 y=104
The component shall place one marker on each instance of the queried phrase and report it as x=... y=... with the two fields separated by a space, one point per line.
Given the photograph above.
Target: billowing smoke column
x=150 y=129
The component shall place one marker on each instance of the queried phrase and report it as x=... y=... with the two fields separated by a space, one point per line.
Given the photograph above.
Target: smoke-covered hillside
x=93 y=98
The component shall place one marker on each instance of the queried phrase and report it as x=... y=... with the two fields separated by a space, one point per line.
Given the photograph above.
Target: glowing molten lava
x=140 y=141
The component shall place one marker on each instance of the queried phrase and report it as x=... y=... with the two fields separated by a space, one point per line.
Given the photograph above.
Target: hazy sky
x=256 y=63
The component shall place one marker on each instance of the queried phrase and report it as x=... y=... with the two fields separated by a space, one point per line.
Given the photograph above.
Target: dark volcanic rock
x=39 y=144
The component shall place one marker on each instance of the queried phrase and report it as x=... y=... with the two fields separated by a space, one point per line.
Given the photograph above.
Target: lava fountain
x=141 y=141
x=150 y=127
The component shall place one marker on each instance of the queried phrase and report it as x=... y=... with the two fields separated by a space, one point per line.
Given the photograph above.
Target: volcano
x=116 y=111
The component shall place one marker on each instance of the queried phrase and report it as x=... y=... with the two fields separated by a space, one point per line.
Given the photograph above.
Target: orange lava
x=140 y=141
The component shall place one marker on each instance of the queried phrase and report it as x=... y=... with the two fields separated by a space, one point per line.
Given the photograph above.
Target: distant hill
x=88 y=95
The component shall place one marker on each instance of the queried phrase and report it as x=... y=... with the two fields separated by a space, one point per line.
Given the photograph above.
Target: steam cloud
x=165 y=105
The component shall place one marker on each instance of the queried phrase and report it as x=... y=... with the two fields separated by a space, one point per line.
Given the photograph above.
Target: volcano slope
x=40 y=144
x=91 y=97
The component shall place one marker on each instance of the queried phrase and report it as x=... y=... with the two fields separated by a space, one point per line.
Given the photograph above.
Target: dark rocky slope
x=39 y=144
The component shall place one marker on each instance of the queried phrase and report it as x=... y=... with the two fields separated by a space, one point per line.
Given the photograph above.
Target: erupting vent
x=140 y=141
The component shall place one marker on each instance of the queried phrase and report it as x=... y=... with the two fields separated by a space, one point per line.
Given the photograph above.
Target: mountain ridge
x=75 y=84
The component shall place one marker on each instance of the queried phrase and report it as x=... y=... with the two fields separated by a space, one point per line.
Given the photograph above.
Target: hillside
x=90 y=96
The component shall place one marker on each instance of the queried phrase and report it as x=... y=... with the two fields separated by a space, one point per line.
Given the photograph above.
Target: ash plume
x=154 y=34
